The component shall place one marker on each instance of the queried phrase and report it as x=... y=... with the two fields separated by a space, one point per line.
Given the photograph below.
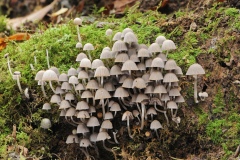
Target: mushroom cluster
x=141 y=86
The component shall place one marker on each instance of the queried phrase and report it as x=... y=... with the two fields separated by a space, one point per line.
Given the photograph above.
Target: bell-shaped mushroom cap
x=195 y=69
x=109 y=87
x=117 y=36
x=55 y=69
x=39 y=75
x=149 y=89
x=151 y=110
x=88 y=47
x=127 y=83
x=93 y=121
x=108 y=115
x=179 y=99
x=162 y=56
x=170 y=65
x=143 y=52
x=72 y=138
x=156 y=75
x=129 y=66
x=87 y=94
x=85 y=142
x=141 y=66
x=148 y=62
x=122 y=78
x=63 y=77
x=168 y=45
x=118 y=46
x=172 y=105
x=127 y=114
x=83 y=114
x=80 y=56
x=125 y=31
x=66 y=86
x=70 y=112
x=121 y=92
x=69 y=96
x=160 y=39
x=157 y=62
x=45 y=123
x=140 y=46
x=46 y=106
x=49 y=75
x=62 y=113
x=135 y=113
x=115 y=107
x=170 y=77
x=121 y=57
x=102 y=71
x=77 y=21
x=64 y=104
x=102 y=136
x=130 y=37
x=102 y=93
x=97 y=63
x=92 y=109
x=73 y=80
x=92 y=84
x=178 y=71
x=55 y=99
x=165 y=97
x=93 y=137
x=106 y=54
x=83 y=75
x=154 y=47
x=72 y=72
x=107 y=124
x=79 y=87
x=203 y=94
x=174 y=92
x=85 y=63
x=160 y=89
x=115 y=70
x=79 y=45
x=82 y=105
x=108 y=32
x=141 y=97
x=134 y=58
x=155 y=124
x=146 y=77
x=139 y=83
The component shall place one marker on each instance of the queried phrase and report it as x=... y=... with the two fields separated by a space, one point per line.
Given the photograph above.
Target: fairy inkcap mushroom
x=80 y=56
x=46 y=123
x=88 y=47
x=168 y=45
x=102 y=94
x=159 y=40
x=46 y=106
x=78 y=22
x=155 y=125
x=130 y=38
x=203 y=95
x=102 y=72
x=126 y=117
x=50 y=76
x=16 y=76
x=195 y=70
x=117 y=36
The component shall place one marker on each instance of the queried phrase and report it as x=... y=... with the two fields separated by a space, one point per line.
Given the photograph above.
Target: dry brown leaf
x=36 y=16
x=120 y=5
x=61 y=11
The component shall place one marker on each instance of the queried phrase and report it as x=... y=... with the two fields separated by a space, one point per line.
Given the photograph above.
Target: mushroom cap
x=155 y=124
x=162 y=56
x=64 y=104
x=45 y=123
x=149 y=89
x=82 y=105
x=141 y=97
x=85 y=63
x=83 y=75
x=107 y=124
x=72 y=72
x=122 y=78
x=134 y=58
x=69 y=96
x=93 y=137
x=83 y=114
x=102 y=136
x=159 y=89
x=70 y=112
x=118 y=46
x=121 y=57
x=145 y=77
x=178 y=71
x=203 y=94
x=117 y=36
x=102 y=71
x=129 y=65
x=130 y=37
x=88 y=47
x=72 y=138
x=73 y=80
x=93 y=121
x=172 y=105
x=165 y=97
x=168 y=45
x=87 y=94
x=127 y=83
x=115 y=107
x=108 y=115
x=46 y=106
x=160 y=39
x=77 y=21
x=195 y=69
x=55 y=69
x=115 y=70
x=143 y=52
x=55 y=99
x=62 y=113
x=154 y=47
x=151 y=110
x=141 y=66
x=80 y=56
x=125 y=31
x=139 y=83
x=108 y=32
x=39 y=75
x=179 y=99
x=92 y=84
x=66 y=86
x=140 y=46
x=135 y=113
x=148 y=62
x=109 y=86
x=121 y=92
x=49 y=75
x=63 y=77
x=174 y=92
x=79 y=45
x=85 y=142
x=102 y=93
x=170 y=65
x=106 y=54
x=170 y=77
x=157 y=62
x=79 y=87
x=156 y=76
x=97 y=63
x=127 y=114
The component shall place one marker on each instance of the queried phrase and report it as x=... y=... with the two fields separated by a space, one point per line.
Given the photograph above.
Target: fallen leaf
x=36 y=16
x=120 y=5
x=61 y=11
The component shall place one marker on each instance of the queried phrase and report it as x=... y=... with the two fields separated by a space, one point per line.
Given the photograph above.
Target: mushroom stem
x=195 y=88
x=90 y=58
x=129 y=130
x=85 y=153
x=109 y=149
x=143 y=114
x=19 y=85
x=164 y=112
x=50 y=83
x=103 y=107
x=115 y=137
x=9 y=67
x=78 y=33
x=101 y=81
x=47 y=59
x=35 y=59
x=70 y=122
x=157 y=134
x=119 y=99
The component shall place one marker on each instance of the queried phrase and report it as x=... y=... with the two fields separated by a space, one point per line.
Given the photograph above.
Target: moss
x=3 y=23
x=233 y=12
